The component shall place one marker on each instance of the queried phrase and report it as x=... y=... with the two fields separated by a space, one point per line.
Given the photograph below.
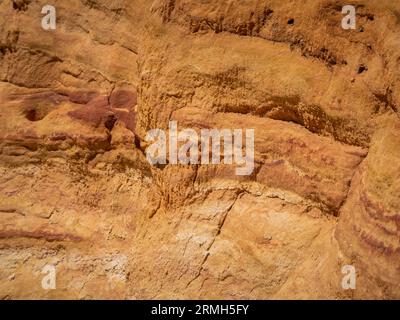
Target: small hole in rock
x=137 y=142
x=362 y=69
x=110 y=122
x=290 y=21
x=33 y=115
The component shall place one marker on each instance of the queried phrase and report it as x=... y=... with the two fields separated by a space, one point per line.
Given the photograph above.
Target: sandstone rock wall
x=77 y=192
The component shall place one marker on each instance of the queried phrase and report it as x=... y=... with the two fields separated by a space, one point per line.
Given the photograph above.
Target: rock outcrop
x=76 y=189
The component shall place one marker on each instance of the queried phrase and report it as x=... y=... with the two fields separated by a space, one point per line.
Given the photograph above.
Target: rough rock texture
x=77 y=192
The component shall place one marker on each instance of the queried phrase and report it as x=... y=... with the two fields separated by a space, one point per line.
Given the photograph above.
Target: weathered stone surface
x=77 y=192
x=369 y=227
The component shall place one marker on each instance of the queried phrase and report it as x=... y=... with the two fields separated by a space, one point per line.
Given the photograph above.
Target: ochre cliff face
x=76 y=189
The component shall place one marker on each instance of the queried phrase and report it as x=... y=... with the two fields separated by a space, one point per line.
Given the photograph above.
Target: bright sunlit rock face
x=80 y=90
